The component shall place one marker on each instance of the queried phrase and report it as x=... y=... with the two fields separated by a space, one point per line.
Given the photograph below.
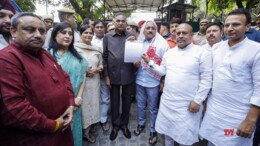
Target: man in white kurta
x=233 y=105
x=188 y=70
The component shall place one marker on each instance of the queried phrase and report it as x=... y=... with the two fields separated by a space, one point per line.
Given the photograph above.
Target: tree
x=221 y=7
x=26 y=5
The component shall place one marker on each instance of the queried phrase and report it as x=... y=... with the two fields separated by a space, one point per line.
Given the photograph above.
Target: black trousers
x=256 y=140
x=120 y=120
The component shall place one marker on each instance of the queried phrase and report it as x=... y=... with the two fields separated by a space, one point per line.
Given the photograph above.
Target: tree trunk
x=239 y=4
x=207 y=7
x=87 y=6
x=251 y=3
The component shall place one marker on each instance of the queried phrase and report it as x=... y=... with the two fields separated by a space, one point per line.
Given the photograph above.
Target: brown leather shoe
x=113 y=134
x=126 y=132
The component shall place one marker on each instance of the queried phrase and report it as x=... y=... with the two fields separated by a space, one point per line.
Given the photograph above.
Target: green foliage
x=220 y=8
x=26 y=5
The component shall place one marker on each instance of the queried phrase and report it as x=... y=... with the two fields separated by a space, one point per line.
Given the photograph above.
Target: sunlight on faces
x=30 y=32
x=64 y=37
x=213 y=34
x=184 y=35
x=149 y=31
x=5 y=21
x=235 y=27
x=120 y=22
x=87 y=36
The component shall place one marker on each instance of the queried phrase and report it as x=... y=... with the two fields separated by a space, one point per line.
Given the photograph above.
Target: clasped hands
x=65 y=119
x=92 y=71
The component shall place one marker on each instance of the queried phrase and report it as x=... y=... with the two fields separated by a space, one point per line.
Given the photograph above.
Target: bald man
x=187 y=82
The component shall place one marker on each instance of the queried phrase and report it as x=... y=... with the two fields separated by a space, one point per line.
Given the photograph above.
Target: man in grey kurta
x=118 y=75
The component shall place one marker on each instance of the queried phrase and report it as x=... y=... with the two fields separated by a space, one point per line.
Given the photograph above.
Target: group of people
x=57 y=83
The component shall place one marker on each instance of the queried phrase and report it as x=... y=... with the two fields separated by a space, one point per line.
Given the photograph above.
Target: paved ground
x=141 y=140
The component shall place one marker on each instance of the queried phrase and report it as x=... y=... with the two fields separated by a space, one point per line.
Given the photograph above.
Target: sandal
x=92 y=128
x=153 y=138
x=90 y=138
x=139 y=130
x=105 y=126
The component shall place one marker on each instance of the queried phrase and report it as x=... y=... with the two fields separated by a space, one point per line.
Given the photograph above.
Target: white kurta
x=97 y=42
x=236 y=85
x=188 y=77
x=207 y=47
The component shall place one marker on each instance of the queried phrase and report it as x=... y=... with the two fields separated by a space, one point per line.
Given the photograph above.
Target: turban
x=6 y=4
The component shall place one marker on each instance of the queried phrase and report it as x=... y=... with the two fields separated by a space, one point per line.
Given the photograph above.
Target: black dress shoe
x=126 y=132
x=113 y=134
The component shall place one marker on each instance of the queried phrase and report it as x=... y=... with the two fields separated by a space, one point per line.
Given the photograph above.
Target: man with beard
x=6 y=13
x=213 y=34
x=188 y=70
x=37 y=101
x=200 y=36
x=118 y=75
x=234 y=102
x=147 y=81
